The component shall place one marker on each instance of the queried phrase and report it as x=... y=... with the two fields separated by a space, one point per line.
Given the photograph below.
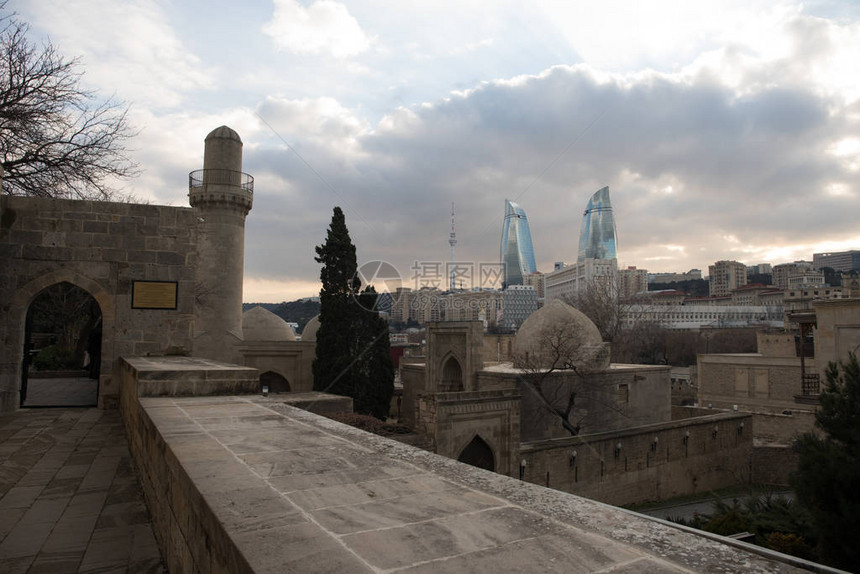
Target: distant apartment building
x=715 y=301
x=783 y=271
x=726 y=276
x=420 y=306
x=662 y=297
x=775 y=298
x=570 y=281
x=806 y=278
x=838 y=261
x=478 y=305
x=674 y=277
x=694 y=316
x=751 y=294
x=518 y=302
x=632 y=281
x=799 y=299
x=759 y=269
x=538 y=281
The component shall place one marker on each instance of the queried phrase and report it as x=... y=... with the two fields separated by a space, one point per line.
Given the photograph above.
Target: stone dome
x=309 y=333
x=261 y=325
x=586 y=346
x=225 y=133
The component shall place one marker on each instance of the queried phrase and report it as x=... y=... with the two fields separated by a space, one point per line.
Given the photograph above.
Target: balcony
x=202 y=177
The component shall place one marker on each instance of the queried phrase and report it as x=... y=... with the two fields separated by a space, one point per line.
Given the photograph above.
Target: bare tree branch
x=555 y=368
x=56 y=138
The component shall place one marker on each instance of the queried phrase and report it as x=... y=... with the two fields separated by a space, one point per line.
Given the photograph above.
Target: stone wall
x=776 y=343
x=753 y=382
x=413 y=376
x=640 y=470
x=189 y=535
x=454 y=419
x=782 y=429
x=497 y=347
x=293 y=360
x=838 y=331
x=101 y=247
x=621 y=397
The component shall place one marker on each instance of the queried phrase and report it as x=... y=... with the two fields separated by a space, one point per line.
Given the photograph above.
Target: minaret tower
x=222 y=196
x=452 y=241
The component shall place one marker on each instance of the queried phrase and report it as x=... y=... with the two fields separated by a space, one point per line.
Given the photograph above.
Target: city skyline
x=722 y=128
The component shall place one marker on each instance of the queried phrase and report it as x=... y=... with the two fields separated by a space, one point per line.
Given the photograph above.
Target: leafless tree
x=637 y=336
x=601 y=300
x=555 y=367
x=57 y=139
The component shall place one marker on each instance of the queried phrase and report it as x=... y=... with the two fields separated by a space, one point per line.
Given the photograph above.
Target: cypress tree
x=827 y=481
x=352 y=351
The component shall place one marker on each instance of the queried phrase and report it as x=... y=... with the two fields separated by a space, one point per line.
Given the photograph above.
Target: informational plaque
x=153 y=294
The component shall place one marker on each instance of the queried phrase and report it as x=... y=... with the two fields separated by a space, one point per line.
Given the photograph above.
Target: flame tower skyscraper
x=517 y=253
x=597 y=235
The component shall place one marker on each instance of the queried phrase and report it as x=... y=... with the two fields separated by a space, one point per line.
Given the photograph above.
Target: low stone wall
x=654 y=462
x=246 y=483
x=190 y=535
x=782 y=429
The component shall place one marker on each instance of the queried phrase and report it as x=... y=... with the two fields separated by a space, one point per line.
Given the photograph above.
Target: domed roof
x=559 y=322
x=261 y=325
x=224 y=132
x=309 y=333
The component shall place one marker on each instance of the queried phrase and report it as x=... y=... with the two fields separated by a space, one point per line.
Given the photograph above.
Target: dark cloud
x=753 y=166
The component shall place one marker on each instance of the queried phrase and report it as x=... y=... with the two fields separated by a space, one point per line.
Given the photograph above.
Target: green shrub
x=55 y=358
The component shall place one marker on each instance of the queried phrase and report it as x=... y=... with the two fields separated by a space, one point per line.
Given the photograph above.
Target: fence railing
x=810 y=385
x=202 y=177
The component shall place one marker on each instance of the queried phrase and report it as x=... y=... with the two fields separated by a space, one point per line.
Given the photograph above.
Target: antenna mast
x=452 y=241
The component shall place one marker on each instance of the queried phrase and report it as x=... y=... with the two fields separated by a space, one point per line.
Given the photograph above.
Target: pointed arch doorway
x=62 y=348
x=478 y=453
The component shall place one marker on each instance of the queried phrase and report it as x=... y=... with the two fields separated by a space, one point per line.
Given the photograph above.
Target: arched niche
x=276 y=382
x=478 y=453
x=452 y=376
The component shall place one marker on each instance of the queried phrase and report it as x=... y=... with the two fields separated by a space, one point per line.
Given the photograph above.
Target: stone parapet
x=249 y=484
x=187 y=376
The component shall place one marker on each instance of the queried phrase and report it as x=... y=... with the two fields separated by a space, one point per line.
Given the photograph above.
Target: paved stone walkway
x=70 y=500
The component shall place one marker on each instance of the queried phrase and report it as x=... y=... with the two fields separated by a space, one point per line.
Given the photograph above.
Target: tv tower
x=452 y=241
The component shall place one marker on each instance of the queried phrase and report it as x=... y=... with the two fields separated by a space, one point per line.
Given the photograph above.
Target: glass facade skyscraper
x=597 y=236
x=517 y=253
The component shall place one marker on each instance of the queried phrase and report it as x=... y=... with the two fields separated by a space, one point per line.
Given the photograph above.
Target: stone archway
x=20 y=302
x=452 y=376
x=478 y=453
x=275 y=382
x=62 y=348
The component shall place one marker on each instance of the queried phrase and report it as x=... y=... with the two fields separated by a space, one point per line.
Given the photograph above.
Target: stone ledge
x=282 y=489
x=189 y=376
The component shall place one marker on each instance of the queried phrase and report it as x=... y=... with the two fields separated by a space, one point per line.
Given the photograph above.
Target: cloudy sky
x=724 y=130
